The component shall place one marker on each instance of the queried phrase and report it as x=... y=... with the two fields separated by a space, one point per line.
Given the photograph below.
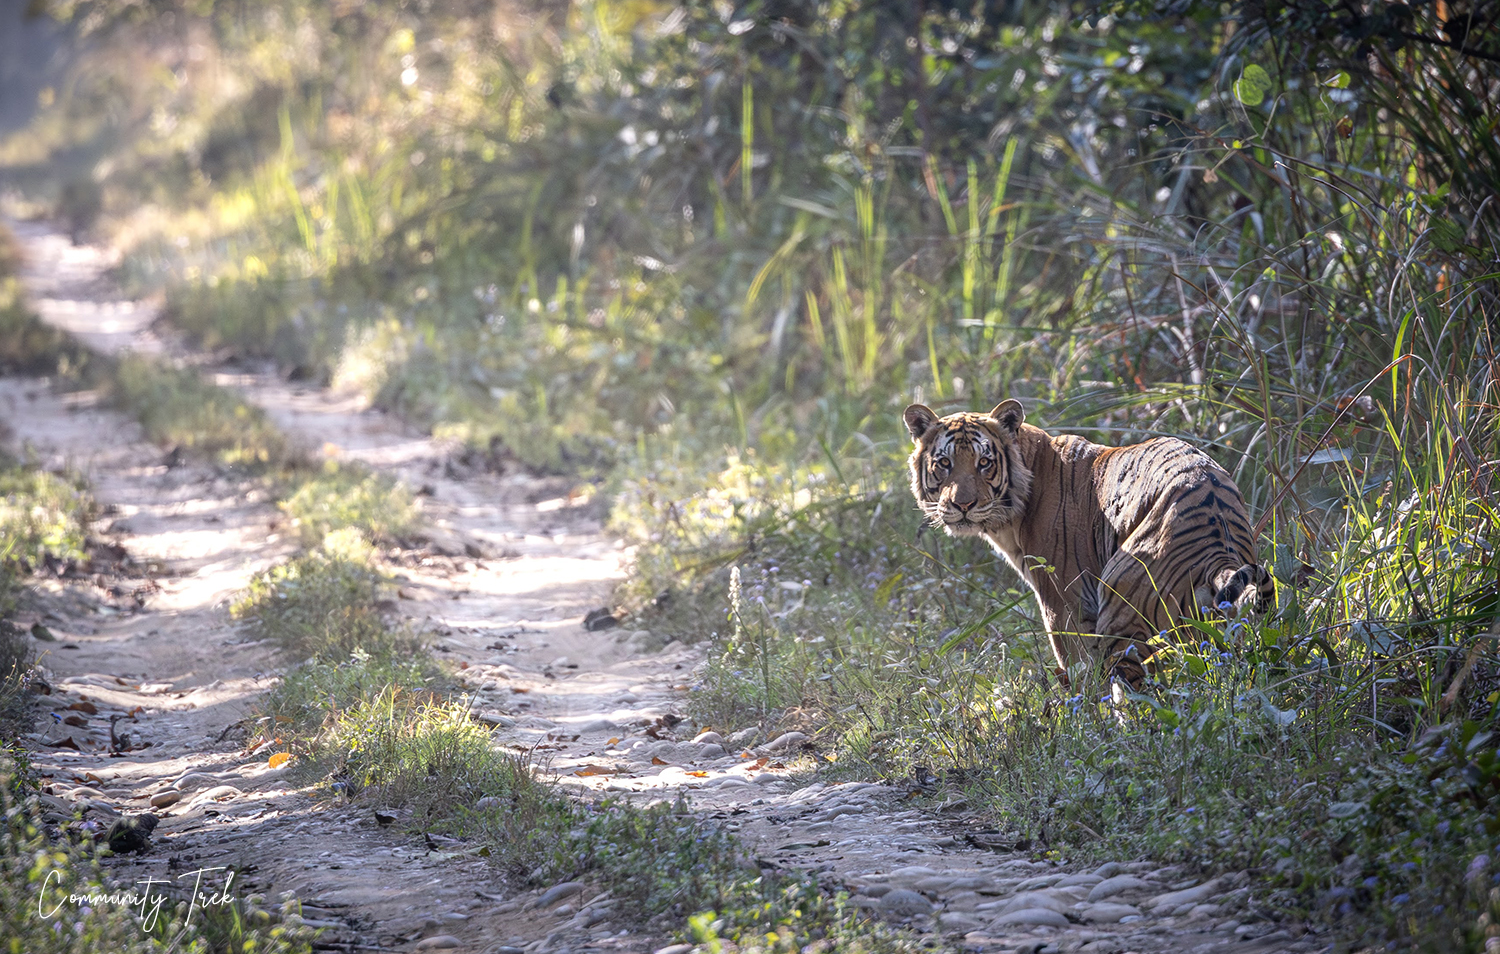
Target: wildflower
x=1226 y=606
x=1409 y=866
x=1190 y=810
x=1371 y=881
x=1442 y=827
x=1401 y=899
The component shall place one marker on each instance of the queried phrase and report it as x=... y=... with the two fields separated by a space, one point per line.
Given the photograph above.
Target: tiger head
x=967 y=472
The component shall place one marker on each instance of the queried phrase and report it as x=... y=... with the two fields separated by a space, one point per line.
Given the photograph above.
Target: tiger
x=1119 y=544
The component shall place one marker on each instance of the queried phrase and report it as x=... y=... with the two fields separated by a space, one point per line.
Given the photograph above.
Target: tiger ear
x=1010 y=414
x=919 y=418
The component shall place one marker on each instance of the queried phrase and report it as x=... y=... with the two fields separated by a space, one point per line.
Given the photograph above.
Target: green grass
x=177 y=408
x=348 y=496
x=323 y=603
x=44 y=521
x=36 y=869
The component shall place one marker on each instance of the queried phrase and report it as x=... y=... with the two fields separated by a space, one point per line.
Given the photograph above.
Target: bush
x=348 y=496
x=323 y=604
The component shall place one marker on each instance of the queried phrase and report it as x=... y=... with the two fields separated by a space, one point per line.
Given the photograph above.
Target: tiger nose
x=964 y=506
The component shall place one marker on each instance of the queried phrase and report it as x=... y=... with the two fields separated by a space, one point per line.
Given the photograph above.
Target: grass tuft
x=348 y=496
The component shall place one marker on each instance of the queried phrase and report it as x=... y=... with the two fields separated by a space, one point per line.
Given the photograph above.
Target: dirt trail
x=514 y=566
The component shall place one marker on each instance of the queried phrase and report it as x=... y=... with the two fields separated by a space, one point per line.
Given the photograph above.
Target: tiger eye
x=984 y=462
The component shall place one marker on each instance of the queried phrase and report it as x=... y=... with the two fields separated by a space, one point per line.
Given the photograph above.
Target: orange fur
x=1118 y=543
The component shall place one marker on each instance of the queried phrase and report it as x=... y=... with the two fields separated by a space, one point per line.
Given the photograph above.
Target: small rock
x=216 y=794
x=912 y=873
x=1118 y=884
x=165 y=799
x=1036 y=917
x=784 y=742
x=1107 y=913
x=597 y=725
x=745 y=737
x=1033 y=899
x=904 y=903
x=1172 y=899
x=674 y=949
x=1204 y=911
x=954 y=921
x=1108 y=870
x=711 y=751
x=191 y=781
x=1082 y=880
x=709 y=737
x=558 y=892
x=439 y=942
x=1044 y=881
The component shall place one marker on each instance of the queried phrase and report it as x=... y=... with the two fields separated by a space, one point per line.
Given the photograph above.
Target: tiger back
x=1119 y=544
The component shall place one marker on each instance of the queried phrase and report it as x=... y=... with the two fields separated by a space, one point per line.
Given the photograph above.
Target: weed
x=176 y=407
x=324 y=603
x=348 y=496
x=54 y=896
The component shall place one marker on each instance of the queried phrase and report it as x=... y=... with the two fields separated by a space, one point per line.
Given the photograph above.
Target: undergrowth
x=349 y=496
x=177 y=408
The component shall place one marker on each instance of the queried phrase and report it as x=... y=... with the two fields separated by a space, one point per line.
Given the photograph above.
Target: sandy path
x=513 y=569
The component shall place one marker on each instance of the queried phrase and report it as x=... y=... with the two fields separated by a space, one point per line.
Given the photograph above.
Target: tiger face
x=967 y=474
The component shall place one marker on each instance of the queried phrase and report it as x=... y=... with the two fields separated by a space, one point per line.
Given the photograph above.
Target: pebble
x=165 y=799
x=1030 y=899
x=558 y=892
x=1045 y=881
x=1108 y=913
x=954 y=921
x=192 y=780
x=674 y=949
x=1108 y=870
x=1037 y=917
x=709 y=737
x=1083 y=880
x=784 y=742
x=596 y=725
x=912 y=873
x=439 y=942
x=217 y=793
x=903 y=902
x=745 y=737
x=1118 y=884
x=1173 y=899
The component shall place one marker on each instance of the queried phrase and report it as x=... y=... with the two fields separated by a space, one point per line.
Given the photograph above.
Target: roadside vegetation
x=705 y=254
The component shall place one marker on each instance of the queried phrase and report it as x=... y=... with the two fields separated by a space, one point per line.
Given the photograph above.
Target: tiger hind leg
x=1232 y=587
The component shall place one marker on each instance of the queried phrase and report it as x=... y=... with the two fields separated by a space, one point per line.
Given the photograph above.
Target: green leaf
x=1252 y=86
x=1339 y=80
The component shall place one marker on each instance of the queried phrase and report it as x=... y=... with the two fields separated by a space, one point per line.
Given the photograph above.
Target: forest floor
x=514 y=564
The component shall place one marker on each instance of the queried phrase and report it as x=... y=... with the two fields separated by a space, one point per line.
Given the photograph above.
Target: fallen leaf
x=614 y=741
x=518 y=690
x=463 y=665
x=593 y=770
x=658 y=761
x=697 y=774
x=66 y=742
x=776 y=765
x=79 y=721
x=279 y=759
x=88 y=707
x=758 y=763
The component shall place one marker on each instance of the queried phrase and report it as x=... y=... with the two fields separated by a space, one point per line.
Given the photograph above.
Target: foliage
x=44 y=521
x=37 y=871
x=345 y=496
x=176 y=407
x=323 y=603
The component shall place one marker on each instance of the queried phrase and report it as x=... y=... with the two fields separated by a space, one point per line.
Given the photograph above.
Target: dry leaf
x=88 y=707
x=614 y=741
x=758 y=763
x=79 y=721
x=593 y=770
x=657 y=761
x=463 y=665
x=697 y=774
x=279 y=759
